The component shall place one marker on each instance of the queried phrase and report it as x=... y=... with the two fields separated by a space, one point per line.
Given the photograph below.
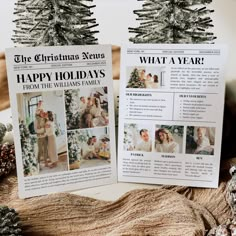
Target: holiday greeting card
x=63 y=117
x=171 y=114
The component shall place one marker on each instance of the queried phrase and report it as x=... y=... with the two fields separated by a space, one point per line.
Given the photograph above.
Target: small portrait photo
x=89 y=148
x=137 y=137
x=42 y=132
x=145 y=77
x=169 y=139
x=87 y=108
x=200 y=140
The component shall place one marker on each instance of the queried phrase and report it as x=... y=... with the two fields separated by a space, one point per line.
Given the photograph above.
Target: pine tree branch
x=48 y=19
x=171 y=19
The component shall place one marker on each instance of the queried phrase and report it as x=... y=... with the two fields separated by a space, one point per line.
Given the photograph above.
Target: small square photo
x=200 y=140
x=137 y=137
x=169 y=138
x=145 y=77
x=89 y=148
x=87 y=108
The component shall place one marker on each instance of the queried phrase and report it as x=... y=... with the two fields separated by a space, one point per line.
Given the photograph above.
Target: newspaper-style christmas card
x=63 y=117
x=171 y=114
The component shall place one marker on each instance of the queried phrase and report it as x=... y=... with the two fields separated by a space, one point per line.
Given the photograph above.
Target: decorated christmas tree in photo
x=76 y=140
x=72 y=108
x=135 y=81
x=172 y=21
x=28 y=151
x=74 y=148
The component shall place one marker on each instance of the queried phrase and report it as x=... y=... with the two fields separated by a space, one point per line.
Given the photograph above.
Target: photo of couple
x=88 y=148
x=45 y=129
x=87 y=108
x=145 y=77
x=42 y=131
x=200 y=140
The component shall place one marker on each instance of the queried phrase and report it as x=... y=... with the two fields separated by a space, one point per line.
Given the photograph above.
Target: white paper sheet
x=171 y=114
x=62 y=100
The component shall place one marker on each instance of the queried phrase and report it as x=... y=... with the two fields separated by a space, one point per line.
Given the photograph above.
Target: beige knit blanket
x=167 y=211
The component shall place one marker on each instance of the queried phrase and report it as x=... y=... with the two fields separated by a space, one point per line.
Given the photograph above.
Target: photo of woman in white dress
x=51 y=137
x=167 y=141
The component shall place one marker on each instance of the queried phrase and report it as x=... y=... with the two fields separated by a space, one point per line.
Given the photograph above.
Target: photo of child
x=200 y=140
x=87 y=108
x=145 y=77
x=89 y=148
x=42 y=132
x=169 y=139
x=137 y=137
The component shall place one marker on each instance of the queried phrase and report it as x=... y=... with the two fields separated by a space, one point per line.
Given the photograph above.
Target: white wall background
x=115 y=16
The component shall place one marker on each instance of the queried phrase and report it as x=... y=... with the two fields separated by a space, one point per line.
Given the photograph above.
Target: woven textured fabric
x=167 y=211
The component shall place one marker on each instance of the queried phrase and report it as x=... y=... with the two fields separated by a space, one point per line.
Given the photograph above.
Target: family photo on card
x=86 y=108
x=145 y=77
x=40 y=114
x=66 y=129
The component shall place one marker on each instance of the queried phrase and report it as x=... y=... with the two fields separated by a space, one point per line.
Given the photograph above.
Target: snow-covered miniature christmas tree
x=9 y=222
x=135 y=80
x=173 y=21
x=3 y=131
x=54 y=22
x=7 y=159
x=73 y=147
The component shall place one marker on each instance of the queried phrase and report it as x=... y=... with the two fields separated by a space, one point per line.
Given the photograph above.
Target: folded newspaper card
x=63 y=117
x=171 y=114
